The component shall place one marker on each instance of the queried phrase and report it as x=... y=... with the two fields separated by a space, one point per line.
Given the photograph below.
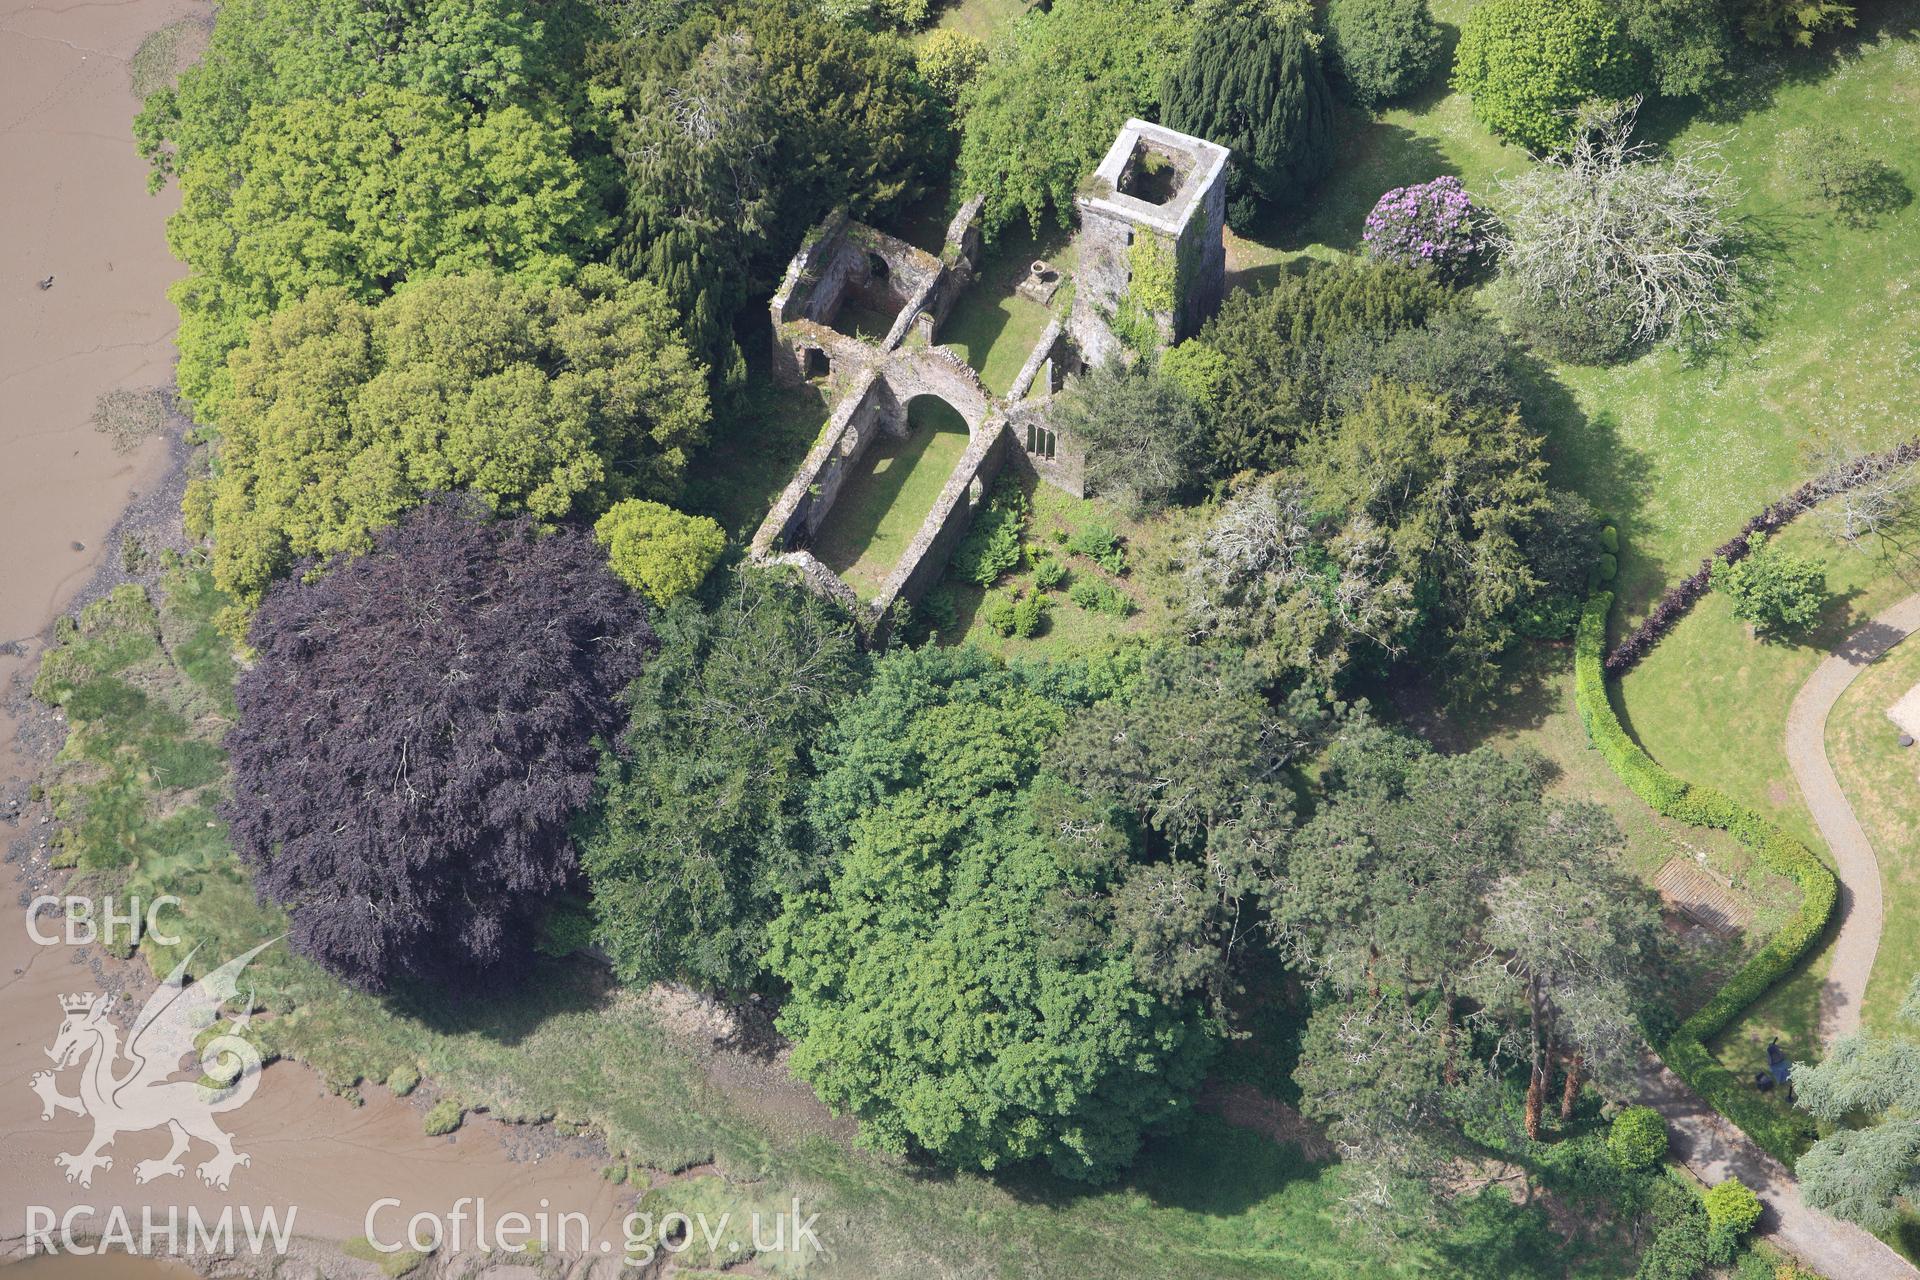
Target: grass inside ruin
x=888 y=493
x=993 y=327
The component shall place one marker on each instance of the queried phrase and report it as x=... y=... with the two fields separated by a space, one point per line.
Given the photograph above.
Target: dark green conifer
x=1254 y=84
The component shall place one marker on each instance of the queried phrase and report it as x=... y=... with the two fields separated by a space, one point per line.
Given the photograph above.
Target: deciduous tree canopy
x=1425 y=885
x=1642 y=244
x=952 y=983
x=699 y=826
x=1054 y=92
x=1384 y=49
x=1529 y=65
x=363 y=195
x=659 y=552
x=1192 y=752
x=416 y=735
x=742 y=127
x=544 y=400
x=1397 y=533
x=264 y=54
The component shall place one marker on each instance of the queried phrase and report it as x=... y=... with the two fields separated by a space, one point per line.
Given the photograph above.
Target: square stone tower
x=1153 y=256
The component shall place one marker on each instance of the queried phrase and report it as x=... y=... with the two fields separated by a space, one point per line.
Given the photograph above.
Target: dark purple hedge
x=416 y=733
x=1677 y=599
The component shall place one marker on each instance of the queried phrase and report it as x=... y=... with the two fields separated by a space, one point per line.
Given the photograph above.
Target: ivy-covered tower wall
x=1152 y=250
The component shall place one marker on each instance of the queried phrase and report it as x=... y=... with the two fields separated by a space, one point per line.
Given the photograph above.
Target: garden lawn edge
x=1685 y=1052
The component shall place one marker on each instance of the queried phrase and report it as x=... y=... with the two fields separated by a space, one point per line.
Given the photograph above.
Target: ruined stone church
x=862 y=311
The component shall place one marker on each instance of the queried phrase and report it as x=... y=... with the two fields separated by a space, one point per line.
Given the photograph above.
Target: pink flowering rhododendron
x=1433 y=222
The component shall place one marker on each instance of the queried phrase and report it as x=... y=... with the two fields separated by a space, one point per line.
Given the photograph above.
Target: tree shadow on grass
x=507 y=1011
x=1208 y=1167
x=1529 y=687
x=1906 y=1234
x=758 y=438
x=1757 y=74
x=1587 y=453
x=1371 y=157
x=1491 y=1238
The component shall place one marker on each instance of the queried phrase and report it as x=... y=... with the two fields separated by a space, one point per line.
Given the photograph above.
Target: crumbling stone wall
x=842 y=261
x=802 y=506
x=1152 y=268
x=925 y=558
x=1049 y=453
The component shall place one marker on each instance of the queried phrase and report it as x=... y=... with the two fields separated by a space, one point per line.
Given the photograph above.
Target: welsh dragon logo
x=132 y=1089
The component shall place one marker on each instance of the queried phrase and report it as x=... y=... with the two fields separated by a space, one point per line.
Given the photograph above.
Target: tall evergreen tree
x=1253 y=83
x=1871 y=1079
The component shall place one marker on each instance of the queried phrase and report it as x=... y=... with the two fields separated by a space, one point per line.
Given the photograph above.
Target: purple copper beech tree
x=416 y=734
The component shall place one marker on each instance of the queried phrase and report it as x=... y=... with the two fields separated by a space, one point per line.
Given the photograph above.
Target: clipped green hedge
x=1686 y=1053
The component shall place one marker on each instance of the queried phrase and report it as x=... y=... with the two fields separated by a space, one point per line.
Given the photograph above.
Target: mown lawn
x=1711 y=704
x=887 y=497
x=1681 y=453
x=1678 y=453
x=993 y=327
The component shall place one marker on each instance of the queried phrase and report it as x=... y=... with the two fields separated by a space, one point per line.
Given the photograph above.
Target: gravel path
x=1709 y=1144
x=1705 y=1141
x=1858 y=910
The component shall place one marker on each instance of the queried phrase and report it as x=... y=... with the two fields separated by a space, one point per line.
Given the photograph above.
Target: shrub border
x=1686 y=1052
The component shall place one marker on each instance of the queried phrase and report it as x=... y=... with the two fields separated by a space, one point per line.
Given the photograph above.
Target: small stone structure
x=1042 y=282
x=862 y=310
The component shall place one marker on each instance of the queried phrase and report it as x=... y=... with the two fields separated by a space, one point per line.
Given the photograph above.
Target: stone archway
x=939 y=372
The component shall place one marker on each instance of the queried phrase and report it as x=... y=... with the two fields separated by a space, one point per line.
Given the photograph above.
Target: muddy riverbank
x=75 y=208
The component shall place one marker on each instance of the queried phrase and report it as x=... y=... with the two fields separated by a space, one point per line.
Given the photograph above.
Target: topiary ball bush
x=1732 y=1207
x=1638 y=1138
x=1528 y=64
x=1383 y=49
x=1610 y=540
